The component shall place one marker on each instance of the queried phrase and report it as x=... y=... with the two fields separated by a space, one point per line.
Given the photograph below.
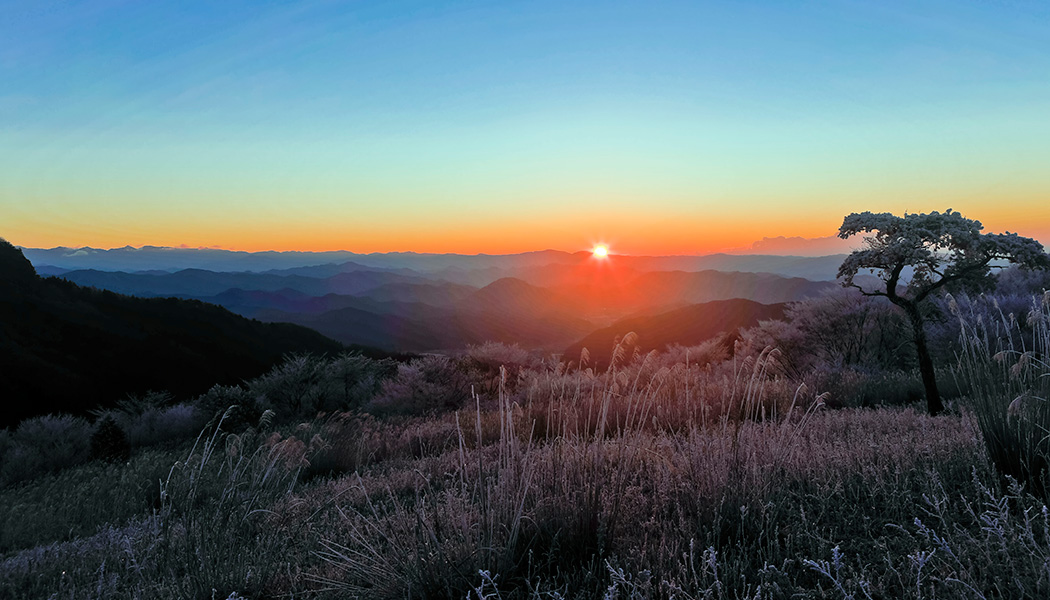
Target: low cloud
x=800 y=246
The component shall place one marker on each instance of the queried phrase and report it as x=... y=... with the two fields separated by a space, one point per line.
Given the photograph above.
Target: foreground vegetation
x=690 y=473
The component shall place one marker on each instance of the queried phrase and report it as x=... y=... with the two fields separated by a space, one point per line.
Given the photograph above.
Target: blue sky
x=514 y=125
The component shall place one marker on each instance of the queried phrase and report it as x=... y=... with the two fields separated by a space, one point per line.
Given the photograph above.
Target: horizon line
x=740 y=251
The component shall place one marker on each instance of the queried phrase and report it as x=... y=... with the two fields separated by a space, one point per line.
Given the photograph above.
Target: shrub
x=862 y=388
x=159 y=425
x=425 y=385
x=46 y=444
x=109 y=442
x=351 y=380
x=493 y=355
x=712 y=351
x=235 y=406
x=304 y=385
x=292 y=388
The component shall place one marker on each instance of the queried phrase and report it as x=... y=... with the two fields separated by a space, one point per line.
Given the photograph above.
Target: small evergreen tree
x=109 y=442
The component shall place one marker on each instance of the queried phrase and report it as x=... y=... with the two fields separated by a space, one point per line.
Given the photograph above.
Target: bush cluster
x=42 y=445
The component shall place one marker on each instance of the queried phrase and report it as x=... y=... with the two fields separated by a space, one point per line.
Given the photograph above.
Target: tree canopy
x=941 y=249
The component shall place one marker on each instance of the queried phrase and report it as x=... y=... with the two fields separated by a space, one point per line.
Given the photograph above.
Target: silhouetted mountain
x=705 y=286
x=48 y=270
x=607 y=292
x=70 y=349
x=276 y=306
x=433 y=294
x=823 y=268
x=330 y=269
x=386 y=331
x=508 y=310
x=131 y=259
x=687 y=326
x=197 y=282
x=815 y=268
x=514 y=295
x=15 y=269
x=404 y=299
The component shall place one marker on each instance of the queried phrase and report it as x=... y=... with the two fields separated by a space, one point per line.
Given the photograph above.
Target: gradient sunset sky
x=498 y=127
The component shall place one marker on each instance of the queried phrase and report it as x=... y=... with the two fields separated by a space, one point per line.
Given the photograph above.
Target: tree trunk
x=929 y=378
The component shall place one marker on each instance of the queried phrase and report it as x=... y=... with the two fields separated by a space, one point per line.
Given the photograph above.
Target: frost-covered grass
x=886 y=502
x=663 y=477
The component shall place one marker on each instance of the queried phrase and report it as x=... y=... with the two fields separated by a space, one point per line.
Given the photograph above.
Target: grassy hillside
x=656 y=480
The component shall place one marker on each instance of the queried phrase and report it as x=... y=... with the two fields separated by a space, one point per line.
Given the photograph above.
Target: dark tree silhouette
x=942 y=248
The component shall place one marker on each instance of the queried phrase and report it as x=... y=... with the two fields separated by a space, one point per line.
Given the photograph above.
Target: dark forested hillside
x=65 y=348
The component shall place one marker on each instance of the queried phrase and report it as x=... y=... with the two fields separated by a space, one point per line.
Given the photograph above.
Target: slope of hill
x=611 y=293
x=70 y=349
x=405 y=300
x=508 y=310
x=687 y=326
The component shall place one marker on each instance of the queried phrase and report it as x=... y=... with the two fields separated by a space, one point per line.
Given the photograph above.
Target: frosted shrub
x=712 y=351
x=351 y=380
x=855 y=387
x=292 y=388
x=217 y=401
x=431 y=383
x=46 y=444
x=302 y=386
x=493 y=355
x=157 y=425
x=494 y=364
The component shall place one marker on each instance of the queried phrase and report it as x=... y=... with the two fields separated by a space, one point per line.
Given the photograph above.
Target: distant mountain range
x=550 y=306
x=478 y=270
x=67 y=348
x=198 y=282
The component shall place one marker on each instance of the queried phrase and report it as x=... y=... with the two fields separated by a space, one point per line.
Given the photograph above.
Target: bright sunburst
x=600 y=251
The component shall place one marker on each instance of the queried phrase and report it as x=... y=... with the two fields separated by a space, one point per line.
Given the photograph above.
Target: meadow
x=748 y=471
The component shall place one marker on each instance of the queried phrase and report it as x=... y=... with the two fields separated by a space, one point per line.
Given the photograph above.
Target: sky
x=500 y=127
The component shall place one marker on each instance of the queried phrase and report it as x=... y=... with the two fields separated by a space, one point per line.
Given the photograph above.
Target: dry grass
x=1008 y=385
x=551 y=515
x=655 y=479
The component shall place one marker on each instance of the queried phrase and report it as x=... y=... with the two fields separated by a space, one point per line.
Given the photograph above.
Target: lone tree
x=941 y=249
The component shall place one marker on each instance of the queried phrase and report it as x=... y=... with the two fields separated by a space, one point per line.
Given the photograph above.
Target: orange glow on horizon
x=689 y=232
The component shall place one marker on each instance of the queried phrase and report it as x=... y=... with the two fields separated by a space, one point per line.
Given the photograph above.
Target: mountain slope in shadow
x=687 y=326
x=508 y=310
x=65 y=348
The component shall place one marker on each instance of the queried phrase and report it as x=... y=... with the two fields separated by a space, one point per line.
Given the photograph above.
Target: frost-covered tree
x=941 y=249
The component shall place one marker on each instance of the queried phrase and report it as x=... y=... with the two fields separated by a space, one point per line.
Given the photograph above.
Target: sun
x=600 y=251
